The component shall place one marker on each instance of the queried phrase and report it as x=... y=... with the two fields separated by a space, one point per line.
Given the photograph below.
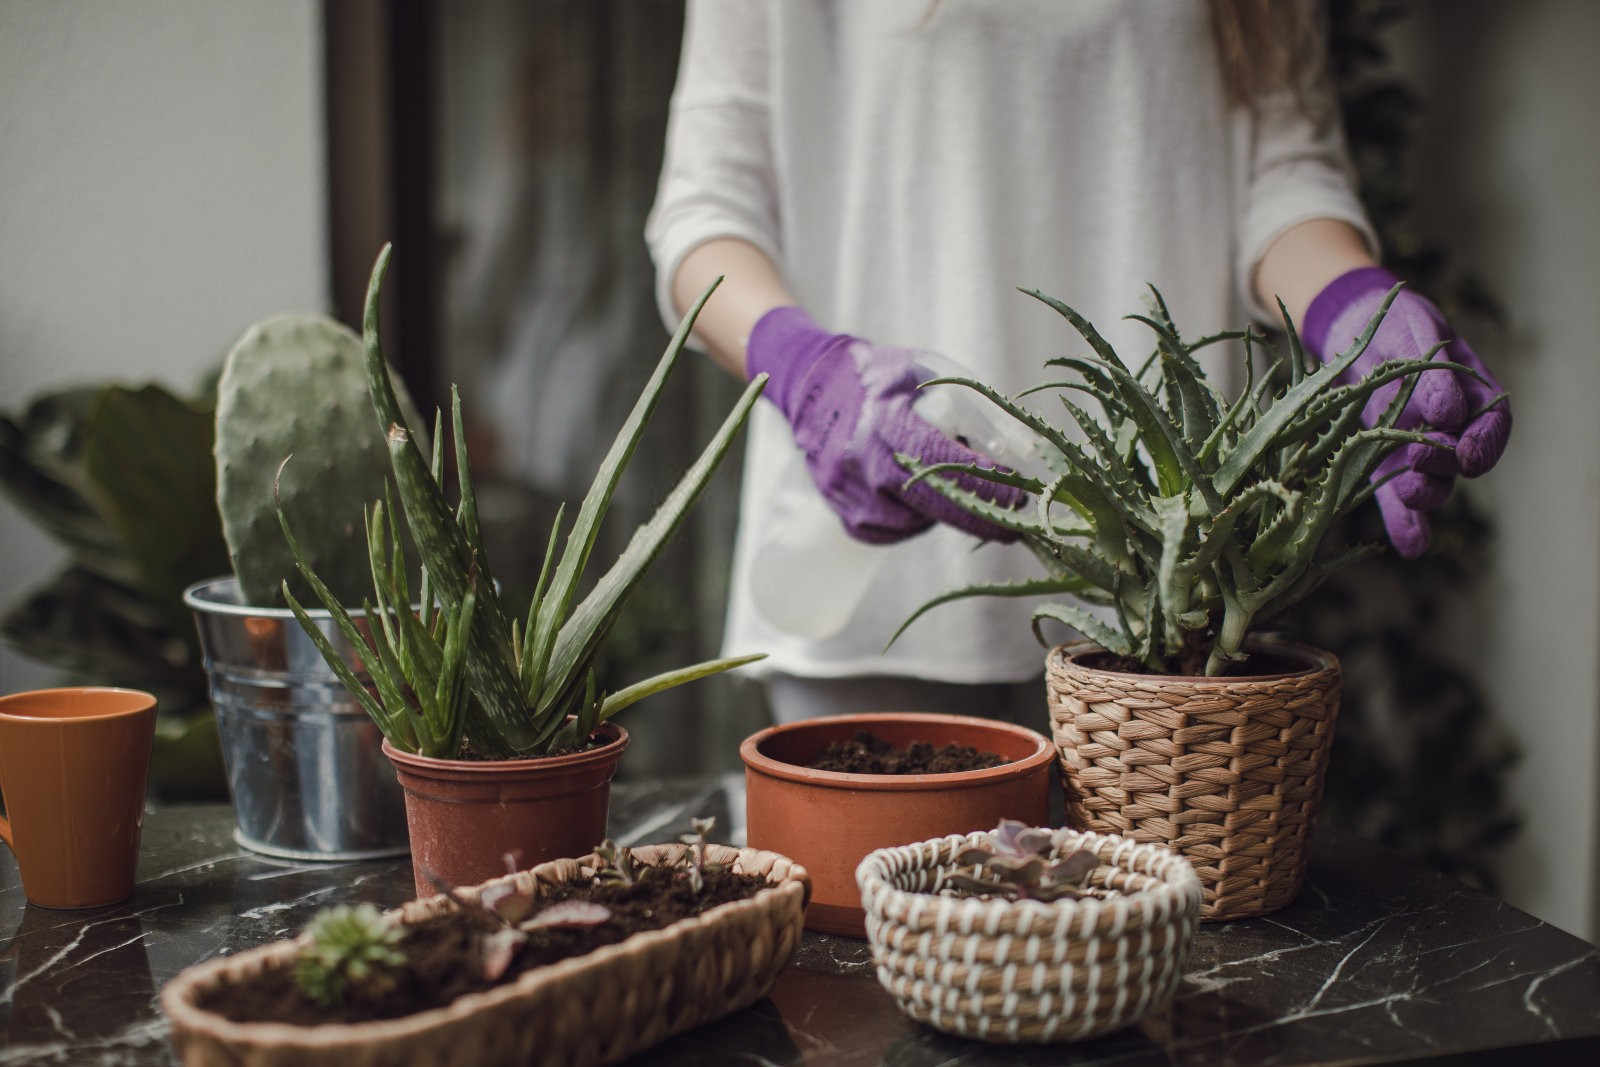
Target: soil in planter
x=442 y=953
x=1256 y=664
x=866 y=753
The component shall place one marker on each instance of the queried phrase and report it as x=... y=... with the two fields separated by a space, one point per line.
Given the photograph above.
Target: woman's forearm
x=1304 y=259
x=750 y=288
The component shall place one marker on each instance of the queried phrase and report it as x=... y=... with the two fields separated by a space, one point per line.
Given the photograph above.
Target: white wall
x=1511 y=169
x=161 y=186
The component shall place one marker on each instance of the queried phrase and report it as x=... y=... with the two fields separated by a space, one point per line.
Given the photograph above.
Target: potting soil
x=866 y=753
x=442 y=954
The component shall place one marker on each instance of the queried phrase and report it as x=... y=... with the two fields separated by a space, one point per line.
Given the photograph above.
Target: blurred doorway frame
x=381 y=75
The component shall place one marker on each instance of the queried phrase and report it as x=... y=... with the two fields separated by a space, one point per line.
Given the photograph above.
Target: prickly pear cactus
x=296 y=384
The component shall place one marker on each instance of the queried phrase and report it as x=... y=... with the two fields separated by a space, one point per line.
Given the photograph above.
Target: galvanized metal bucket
x=308 y=778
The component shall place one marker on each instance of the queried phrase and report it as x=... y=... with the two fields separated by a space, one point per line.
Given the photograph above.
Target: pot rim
x=198 y=598
x=475 y=770
x=144 y=703
x=1316 y=660
x=1043 y=755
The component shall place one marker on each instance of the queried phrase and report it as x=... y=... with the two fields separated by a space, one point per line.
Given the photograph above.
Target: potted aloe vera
x=1183 y=524
x=500 y=738
x=302 y=757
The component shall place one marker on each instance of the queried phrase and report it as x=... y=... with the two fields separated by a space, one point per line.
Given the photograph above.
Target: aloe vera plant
x=460 y=671
x=1191 y=517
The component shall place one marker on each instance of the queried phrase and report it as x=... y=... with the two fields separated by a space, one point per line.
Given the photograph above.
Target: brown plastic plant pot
x=465 y=816
x=829 y=820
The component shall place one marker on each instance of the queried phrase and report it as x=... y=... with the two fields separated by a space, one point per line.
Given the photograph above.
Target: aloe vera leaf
x=532 y=669
x=1146 y=649
x=1084 y=623
x=381 y=567
x=1215 y=338
x=1254 y=443
x=553 y=611
x=1355 y=396
x=1273 y=538
x=1013 y=519
x=1104 y=510
x=385 y=675
x=396 y=730
x=627 y=697
x=447 y=691
x=1297 y=353
x=437 y=469
x=1085 y=329
x=388 y=674
x=1231 y=417
x=1160 y=437
x=1343 y=478
x=581 y=634
x=1174 y=514
x=1113 y=407
x=467 y=502
x=1175 y=461
x=1220 y=533
x=1197 y=405
x=1105 y=521
x=443 y=547
x=1122 y=478
x=1031 y=587
x=918 y=471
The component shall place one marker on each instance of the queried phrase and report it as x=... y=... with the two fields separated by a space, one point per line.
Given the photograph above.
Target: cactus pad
x=296 y=384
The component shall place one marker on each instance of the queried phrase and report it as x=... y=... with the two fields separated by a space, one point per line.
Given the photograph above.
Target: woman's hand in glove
x=1468 y=415
x=849 y=403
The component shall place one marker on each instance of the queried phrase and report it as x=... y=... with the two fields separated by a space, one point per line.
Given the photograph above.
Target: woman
x=867 y=173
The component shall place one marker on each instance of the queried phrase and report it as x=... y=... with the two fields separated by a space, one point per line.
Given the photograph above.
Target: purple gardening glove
x=1454 y=408
x=849 y=403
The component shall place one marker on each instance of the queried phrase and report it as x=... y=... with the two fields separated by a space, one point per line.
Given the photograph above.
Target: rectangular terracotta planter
x=600 y=1007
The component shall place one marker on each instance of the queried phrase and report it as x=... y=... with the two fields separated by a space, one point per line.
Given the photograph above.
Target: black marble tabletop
x=1377 y=962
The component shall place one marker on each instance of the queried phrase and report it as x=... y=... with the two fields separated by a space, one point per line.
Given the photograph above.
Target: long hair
x=1265 y=46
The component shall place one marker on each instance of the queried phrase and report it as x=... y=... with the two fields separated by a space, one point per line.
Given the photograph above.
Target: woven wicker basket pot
x=1028 y=971
x=1226 y=771
x=596 y=1008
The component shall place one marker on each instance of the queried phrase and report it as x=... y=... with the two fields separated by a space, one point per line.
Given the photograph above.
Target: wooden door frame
x=380 y=70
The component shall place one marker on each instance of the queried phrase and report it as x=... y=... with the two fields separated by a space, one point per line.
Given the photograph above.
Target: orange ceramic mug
x=72 y=770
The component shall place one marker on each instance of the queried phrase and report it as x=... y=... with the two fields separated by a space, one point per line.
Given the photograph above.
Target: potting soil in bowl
x=867 y=753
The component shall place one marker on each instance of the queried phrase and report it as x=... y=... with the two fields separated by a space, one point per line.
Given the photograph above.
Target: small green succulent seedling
x=462 y=672
x=696 y=838
x=350 y=947
x=1017 y=863
x=618 y=865
x=1192 y=518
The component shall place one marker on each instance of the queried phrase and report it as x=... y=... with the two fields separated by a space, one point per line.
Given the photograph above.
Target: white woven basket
x=1027 y=971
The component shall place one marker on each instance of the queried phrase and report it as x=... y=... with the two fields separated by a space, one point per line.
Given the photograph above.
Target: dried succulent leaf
x=569 y=913
x=507 y=902
x=498 y=950
x=1075 y=868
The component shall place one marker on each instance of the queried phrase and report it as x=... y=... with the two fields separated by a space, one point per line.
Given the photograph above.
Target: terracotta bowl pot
x=465 y=816
x=1226 y=771
x=828 y=820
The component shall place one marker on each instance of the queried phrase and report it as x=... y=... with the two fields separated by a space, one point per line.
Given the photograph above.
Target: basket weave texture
x=1226 y=771
x=1028 y=971
x=597 y=1008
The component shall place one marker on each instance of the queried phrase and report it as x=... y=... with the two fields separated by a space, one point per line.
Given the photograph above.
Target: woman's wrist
x=1304 y=259
x=751 y=287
